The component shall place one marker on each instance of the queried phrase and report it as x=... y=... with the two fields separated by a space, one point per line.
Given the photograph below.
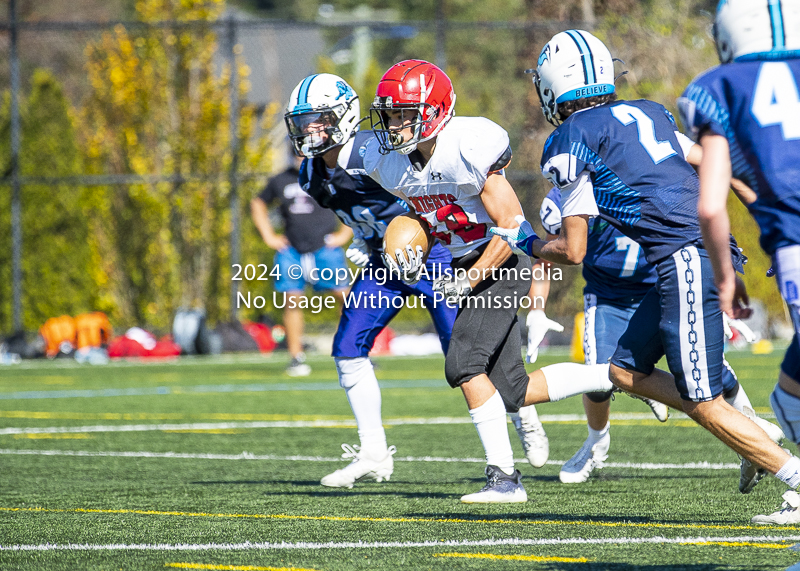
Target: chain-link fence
x=271 y=57
x=174 y=123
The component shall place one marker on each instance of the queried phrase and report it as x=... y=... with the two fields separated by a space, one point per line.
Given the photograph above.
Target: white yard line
x=395 y=544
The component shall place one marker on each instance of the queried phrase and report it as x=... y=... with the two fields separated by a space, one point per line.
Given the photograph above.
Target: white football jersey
x=446 y=193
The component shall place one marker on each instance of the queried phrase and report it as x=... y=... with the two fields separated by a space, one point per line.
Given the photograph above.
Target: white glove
x=520 y=239
x=409 y=265
x=748 y=334
x=453 y=287
x=358 y=252
x=538 y=325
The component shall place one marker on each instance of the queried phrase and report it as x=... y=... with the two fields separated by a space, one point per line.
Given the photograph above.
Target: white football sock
x=357 y=377
x=490 y=422
x=570 y=379
x=790 y=473
x=597 y=435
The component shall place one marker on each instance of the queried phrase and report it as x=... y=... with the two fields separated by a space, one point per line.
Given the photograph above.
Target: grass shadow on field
x=238 y=483
x=554 y=517
x=366 y=492
x=618 y=475
x=317 y=491
x=526 y=478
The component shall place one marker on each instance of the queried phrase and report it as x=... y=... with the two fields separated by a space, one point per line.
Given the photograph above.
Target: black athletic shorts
x=486 y=336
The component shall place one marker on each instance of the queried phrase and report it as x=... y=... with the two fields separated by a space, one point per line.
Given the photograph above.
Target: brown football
x=406 y=230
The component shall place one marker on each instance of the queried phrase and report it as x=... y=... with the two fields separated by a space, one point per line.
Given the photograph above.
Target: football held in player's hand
x=406 y=230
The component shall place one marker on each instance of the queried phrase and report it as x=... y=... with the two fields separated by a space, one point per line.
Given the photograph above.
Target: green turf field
x=215 y=464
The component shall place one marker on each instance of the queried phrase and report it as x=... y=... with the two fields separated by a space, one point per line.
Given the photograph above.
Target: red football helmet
x=417 y=87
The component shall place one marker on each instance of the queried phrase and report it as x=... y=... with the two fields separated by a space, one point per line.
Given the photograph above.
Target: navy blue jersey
x=642 y=184
x=756 y=106
x=357 y=200
x=614 y=266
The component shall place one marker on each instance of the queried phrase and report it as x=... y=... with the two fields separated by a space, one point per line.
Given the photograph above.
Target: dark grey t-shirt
x=305 y=222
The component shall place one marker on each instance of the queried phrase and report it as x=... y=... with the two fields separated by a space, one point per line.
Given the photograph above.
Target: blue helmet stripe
x=302 y=96
x=590 y=65
x=776 y=20
x=586 y=53
x=583 y=59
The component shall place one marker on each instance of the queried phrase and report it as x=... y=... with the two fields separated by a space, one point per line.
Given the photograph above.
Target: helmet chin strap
x=415 y=137
x=407 y=150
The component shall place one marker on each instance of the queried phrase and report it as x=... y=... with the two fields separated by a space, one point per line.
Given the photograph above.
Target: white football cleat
x=298 y=367
x=361 y=468
x=532 y=435
x=660 y=410
x=591 y=455
x=749 y=475
x=500 y=488
x=789 y=513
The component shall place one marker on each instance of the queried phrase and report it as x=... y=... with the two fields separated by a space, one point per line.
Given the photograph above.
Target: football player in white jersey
x=450 y=170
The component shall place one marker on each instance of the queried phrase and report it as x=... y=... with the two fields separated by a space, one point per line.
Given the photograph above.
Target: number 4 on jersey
x=776 y=100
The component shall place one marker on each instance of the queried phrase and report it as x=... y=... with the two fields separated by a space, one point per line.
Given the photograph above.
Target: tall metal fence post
x=232 y=175
x=16 y=199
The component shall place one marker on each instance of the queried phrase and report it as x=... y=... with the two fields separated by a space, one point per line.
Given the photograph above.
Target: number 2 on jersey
x=776 y=100
x=658 y=150
x=631 y=249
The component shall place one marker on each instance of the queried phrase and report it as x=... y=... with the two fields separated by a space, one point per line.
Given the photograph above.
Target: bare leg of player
x=597 y=413
x=293 y=322
x=718 y=417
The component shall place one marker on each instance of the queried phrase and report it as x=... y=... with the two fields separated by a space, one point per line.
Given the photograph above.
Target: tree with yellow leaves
x=158 y=106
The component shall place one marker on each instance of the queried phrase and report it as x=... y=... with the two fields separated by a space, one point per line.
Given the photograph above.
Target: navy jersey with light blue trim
x=357 y=200
x=755 y=105
x=642 y=184
x=614 y=266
